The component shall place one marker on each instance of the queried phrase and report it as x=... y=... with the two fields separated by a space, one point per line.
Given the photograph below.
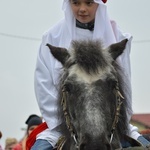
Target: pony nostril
x=95 y=146
x=83 y=146
x=108 y=146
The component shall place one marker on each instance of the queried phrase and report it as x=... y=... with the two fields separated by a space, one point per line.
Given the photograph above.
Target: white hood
x=102 y=29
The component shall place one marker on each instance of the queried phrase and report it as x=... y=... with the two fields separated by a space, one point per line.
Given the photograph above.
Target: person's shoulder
x=53 y=33
x=54 y=29
x=120 y=33
x=113 y=22
x=114 y=25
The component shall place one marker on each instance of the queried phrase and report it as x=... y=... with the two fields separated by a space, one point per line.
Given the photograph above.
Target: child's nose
x=82 y=8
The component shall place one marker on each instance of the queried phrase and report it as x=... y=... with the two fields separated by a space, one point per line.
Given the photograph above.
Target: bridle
x=119 y=99
x=67 y=117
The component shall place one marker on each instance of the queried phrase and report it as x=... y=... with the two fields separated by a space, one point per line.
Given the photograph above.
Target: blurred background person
x=0 y=138
x=32 y=122
x=10 y=143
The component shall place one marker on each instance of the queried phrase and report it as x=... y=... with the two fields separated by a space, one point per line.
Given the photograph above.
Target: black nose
x=99 y=146
x=99 y=143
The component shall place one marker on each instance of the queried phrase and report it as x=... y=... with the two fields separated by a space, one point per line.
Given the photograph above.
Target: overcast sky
x=22 y=23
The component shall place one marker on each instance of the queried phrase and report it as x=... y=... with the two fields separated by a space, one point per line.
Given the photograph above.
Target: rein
x=67 y=117
x=119 y=99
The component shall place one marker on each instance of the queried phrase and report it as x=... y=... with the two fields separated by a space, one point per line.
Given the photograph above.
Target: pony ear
x=61 y=54
x=117 y=48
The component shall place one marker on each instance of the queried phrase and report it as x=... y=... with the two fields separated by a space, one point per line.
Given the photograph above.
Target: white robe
x=48 y=69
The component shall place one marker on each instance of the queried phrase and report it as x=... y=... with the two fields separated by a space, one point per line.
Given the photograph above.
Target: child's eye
x=90 y=3
x=75 y=2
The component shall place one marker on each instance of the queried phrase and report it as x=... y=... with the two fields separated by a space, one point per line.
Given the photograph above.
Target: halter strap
x=67 y=117
x=119 y=98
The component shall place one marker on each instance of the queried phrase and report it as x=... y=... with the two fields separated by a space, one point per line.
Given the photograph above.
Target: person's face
x=84 y=10
x=10 y=147
x=31 y=129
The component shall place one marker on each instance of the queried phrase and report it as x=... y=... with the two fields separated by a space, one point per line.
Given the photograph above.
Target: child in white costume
x=48 y=69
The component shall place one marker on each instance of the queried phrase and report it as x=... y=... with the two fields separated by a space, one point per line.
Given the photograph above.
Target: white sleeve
x=45 y=86
x=124 y=62
x=133 y=132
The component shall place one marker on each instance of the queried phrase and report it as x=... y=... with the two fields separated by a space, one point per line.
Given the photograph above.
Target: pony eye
x=112 y=83
x=68 y=87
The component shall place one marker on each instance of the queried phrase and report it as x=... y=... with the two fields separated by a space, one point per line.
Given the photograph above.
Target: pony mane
x=90 y=55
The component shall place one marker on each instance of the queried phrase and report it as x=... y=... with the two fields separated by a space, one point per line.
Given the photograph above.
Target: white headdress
x=102 y=29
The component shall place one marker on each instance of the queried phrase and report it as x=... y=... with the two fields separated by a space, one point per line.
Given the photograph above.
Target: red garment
x=104 y=1
x=32 y=137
